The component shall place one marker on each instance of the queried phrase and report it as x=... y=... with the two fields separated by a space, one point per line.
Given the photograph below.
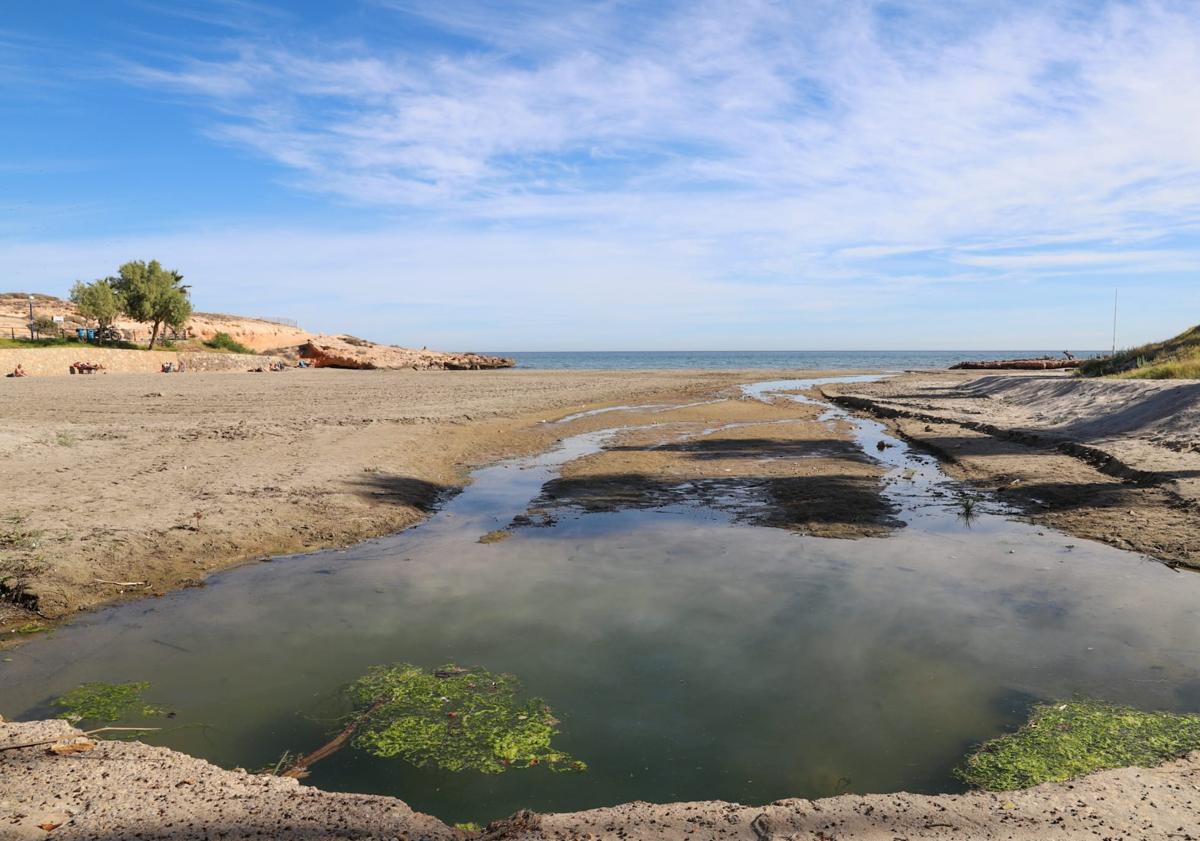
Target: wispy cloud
x=742 y=164
x=809 y=128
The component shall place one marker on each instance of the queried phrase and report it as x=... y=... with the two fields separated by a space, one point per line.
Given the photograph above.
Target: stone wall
x=56 y=361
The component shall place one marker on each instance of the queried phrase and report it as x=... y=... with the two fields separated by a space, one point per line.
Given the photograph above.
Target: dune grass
x=1175 y=358
x=1066 y=740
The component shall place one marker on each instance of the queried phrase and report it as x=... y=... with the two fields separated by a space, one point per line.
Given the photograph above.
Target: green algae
x=455 y=719
x=1063 y=741
x=105 y=702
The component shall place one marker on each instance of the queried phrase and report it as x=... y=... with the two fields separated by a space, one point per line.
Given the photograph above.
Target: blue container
x=81 y=333
x=91 y=335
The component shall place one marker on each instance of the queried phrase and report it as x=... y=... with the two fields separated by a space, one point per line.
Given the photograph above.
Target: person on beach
x=18 y=371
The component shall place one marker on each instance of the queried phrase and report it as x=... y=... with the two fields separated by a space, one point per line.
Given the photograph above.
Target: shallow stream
x=689 y=657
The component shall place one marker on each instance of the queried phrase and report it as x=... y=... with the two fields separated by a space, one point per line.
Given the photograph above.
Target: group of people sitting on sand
x=173 y=367
x=272 y=366
x=85 y=367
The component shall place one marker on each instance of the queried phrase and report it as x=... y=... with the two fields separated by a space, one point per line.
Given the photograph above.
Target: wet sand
x=1108 y=460
x=127 y=789
x=130 y=486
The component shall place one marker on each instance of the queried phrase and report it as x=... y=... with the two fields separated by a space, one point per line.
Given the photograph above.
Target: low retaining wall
x=57 y=361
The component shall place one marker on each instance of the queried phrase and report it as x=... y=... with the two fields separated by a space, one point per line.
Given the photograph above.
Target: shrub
x=44 y=324
x=224 y=341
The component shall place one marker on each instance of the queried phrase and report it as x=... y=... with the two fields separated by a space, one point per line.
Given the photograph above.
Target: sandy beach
x=160 y=479
x=131 y=486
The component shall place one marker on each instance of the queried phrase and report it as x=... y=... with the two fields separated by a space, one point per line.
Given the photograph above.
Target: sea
x=820 y=360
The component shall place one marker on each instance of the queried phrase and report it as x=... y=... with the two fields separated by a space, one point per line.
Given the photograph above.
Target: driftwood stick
x=296 y=771
x=84 y=733
x=121 y=583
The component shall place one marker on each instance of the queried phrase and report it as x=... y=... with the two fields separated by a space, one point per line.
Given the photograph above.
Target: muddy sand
x=129 y=486
x=128 y=789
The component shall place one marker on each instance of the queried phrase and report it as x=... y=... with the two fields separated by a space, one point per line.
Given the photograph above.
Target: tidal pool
x=688 y=657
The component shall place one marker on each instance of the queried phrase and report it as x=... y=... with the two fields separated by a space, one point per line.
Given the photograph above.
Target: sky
x=480 y=175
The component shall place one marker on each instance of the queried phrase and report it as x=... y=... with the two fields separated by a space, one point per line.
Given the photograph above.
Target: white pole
x=1114 y=349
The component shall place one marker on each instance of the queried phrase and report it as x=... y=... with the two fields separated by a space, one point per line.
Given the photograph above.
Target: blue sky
x=611 y=175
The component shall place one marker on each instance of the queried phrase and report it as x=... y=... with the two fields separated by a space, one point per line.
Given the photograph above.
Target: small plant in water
x=1067 y=740
x=967 y=505
x=105 y=702
x=452 y=718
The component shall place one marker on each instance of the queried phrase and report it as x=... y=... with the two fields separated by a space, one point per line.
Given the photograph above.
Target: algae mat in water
x=105 y=702
x=456 y=719
x=1068 y=740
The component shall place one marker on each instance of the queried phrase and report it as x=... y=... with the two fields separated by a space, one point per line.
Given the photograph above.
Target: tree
x=153 y=295
x=98 y=301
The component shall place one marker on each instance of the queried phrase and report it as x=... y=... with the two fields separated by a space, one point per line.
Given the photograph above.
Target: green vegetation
x=45 y=324
x=1176 y=358
x=1068 y=740
x=451 y=718
x=455 y=719
x=153 y=295
x=98 y=301
x=105 y=702
x=31 y=628
x=967 y=505
x=224 y=341
x=59 y=341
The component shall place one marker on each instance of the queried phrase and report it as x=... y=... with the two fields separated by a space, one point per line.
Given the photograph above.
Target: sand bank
x=119 y=487
x=128 y=789
x=1111 y=460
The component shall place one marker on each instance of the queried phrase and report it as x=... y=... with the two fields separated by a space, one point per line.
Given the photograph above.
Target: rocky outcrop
x=360 y=354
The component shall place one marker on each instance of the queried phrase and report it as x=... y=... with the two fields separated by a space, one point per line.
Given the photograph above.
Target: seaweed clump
x=105 y=702
x=1067 y=740
x=455 y=719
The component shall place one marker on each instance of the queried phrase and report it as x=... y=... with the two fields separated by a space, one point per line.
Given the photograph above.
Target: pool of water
x=688 y=656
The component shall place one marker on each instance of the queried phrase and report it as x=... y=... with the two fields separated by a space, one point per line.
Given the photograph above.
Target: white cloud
x=591 y=173
x=813 y=128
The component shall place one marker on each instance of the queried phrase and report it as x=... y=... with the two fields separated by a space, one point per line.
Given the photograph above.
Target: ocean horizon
x=874 y=360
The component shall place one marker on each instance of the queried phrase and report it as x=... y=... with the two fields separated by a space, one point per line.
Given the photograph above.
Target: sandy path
x=128 y=789
x=162 y=479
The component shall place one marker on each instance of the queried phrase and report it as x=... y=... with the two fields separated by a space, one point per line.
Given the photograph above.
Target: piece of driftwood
x=85 y=733
x=1045 y=364
x=299 y=768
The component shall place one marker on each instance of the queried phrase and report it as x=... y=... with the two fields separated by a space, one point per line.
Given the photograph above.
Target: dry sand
x=130 y=790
